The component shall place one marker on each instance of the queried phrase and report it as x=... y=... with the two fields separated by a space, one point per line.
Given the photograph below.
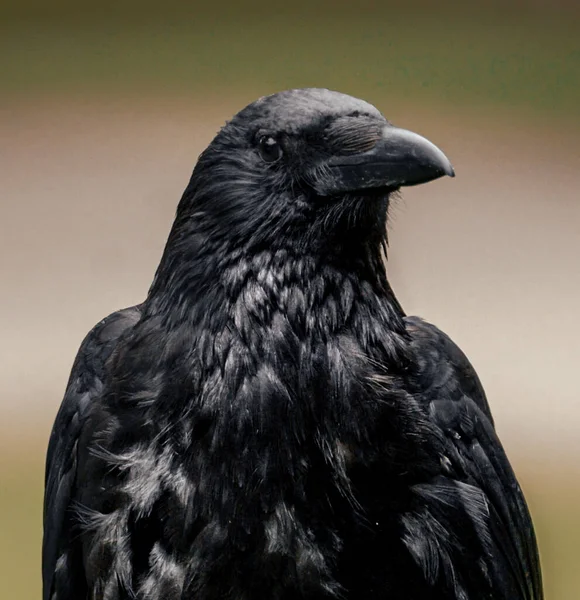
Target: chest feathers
x=251 y=438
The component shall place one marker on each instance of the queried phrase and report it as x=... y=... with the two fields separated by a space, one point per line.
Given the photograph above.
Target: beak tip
x=450 y=171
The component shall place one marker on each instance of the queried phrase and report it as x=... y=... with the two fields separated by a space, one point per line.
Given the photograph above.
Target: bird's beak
x=399 y=158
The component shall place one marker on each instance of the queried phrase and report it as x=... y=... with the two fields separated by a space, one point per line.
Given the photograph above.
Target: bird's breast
x=265 y=438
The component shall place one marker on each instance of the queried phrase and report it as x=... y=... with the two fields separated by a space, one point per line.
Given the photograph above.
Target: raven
x=269 y=423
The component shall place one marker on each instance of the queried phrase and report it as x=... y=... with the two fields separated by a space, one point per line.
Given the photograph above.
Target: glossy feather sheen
x=269 y=424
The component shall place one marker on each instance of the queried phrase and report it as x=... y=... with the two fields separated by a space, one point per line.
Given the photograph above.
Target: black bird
x=269 y=424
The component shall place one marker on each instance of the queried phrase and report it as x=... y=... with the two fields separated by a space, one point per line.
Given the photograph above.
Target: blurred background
x=104 y=107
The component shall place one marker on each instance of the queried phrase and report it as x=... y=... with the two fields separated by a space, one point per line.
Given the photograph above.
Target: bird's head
x=306 y=167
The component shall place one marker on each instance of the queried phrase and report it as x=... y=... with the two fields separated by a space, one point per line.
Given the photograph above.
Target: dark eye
x=270 y=149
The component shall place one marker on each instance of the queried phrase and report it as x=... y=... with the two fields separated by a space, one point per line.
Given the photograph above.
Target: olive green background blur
x=105 y=106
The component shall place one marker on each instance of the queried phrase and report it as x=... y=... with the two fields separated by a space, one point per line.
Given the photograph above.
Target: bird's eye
x=270 y=149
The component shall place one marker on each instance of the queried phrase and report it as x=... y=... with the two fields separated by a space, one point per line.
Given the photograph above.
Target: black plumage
x=269 y=423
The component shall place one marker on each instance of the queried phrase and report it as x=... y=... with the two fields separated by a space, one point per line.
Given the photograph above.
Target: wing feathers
x=61 y=567
x=498 y=539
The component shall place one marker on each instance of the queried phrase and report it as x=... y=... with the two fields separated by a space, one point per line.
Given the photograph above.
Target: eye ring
x=269 y=148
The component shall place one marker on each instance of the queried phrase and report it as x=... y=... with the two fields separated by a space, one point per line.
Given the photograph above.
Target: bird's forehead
x=293 y=110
